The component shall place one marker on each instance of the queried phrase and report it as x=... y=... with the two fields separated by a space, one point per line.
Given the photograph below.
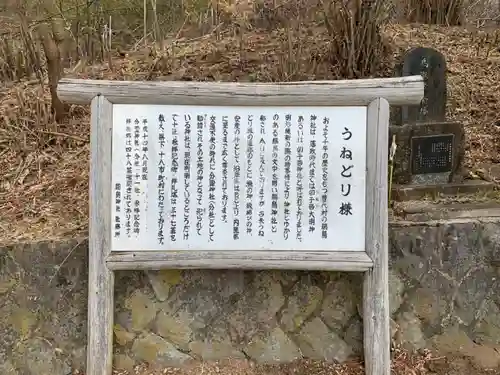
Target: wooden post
x=375 y=289
x=101 y=279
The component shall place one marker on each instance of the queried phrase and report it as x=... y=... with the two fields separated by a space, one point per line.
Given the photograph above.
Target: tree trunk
x=54 y=70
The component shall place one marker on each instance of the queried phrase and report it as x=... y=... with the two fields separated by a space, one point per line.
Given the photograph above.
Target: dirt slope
x=44 y=166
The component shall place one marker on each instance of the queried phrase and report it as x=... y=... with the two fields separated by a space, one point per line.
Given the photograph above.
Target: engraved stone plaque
x=414 y=145
x=432 y=154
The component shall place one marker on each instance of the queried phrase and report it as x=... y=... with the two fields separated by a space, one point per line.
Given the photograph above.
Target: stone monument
x=430 y=149
x=431 y=65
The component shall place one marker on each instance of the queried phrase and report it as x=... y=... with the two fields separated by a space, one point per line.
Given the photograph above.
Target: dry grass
x=44 y=165
x=440 y=12
x=302 y=367
x=43 y=182
x=403 y=363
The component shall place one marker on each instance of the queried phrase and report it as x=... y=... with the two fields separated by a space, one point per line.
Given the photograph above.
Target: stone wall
x=444 y=293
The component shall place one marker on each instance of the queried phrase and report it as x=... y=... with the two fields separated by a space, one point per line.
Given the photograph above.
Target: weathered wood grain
x=101 y=279
x=397 y=91
x=327 y=261
x=376 y=282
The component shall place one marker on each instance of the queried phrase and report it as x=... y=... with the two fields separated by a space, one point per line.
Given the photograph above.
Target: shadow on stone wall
x=444 y=294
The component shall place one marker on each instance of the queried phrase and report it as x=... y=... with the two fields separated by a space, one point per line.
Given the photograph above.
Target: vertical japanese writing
x=199 y=173
x=312 y=175
x=174 y=190
x=137 y=176
x=238 y=178
x=324 y=180
x=161 y=179
x=145 y=160
x=249 y=176
x=346 y=174
x=237 y=173
x=118 y=200
x=128 y=177
x=145 y=149
x=211 y=185
x=274 y=181
x=225 y=124
x=300 y=176
x=287 y=168
x=187 y=174
x=262 y=179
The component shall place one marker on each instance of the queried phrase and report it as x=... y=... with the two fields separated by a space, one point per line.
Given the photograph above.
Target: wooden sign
x=247 y=176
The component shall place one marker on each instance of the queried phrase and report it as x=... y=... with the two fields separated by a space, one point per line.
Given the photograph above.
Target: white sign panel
x=238 y=178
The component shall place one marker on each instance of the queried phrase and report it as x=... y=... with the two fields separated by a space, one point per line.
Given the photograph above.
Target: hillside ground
x=44 y=169
x=402 y=364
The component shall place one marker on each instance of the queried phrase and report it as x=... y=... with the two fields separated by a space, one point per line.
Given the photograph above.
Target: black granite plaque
x=432 y=154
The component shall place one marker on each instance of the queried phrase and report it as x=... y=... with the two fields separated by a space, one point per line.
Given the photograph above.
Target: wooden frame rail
x=397 y=91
